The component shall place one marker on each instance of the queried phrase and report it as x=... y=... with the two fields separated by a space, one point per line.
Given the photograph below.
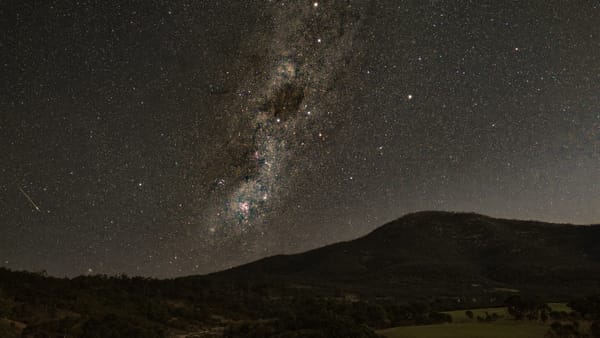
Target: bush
x=439 y=317
x=558 y=330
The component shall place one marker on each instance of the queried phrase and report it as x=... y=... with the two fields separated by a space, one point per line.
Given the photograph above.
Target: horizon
x=45 y=273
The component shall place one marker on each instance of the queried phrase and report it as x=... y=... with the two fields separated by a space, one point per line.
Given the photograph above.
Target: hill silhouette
x=443 y=253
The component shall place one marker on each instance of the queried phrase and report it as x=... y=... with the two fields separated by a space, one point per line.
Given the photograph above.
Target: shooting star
x=30 y=200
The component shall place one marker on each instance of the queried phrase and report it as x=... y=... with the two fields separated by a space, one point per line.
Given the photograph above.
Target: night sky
x=167 y=138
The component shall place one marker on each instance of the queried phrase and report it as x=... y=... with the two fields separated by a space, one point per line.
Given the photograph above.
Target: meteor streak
x=30 y=200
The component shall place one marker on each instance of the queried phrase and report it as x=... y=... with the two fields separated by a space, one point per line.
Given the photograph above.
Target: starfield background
x=214 y=144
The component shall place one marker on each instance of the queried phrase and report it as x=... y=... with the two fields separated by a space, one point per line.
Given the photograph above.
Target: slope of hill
x=441 y=253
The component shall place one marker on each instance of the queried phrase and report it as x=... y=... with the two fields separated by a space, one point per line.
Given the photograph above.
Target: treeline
x=33 y=305
x=101 y=306
x=565 y=324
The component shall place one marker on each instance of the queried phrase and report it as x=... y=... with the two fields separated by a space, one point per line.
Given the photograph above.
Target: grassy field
x=464 y=327
x=560 y=307
x=504 y=329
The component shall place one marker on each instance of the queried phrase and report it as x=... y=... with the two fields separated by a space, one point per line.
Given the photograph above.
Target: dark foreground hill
x=402 y=273
x=441 y=253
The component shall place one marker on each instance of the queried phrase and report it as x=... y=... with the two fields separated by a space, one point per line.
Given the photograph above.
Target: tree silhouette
x=521 y=307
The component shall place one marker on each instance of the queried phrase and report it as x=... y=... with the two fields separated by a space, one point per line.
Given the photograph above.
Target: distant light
x=410 y=97
x=315 y=4
x=319 y=40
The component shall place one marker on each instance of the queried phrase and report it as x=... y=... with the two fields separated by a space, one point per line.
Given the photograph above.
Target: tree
x=469 y=314
x=439 y=317
x=544 y=316
x=588 y=307
x=525 y=307
x=558 y=330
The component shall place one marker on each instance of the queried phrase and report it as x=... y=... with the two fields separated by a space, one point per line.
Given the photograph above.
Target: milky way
x=279 y=115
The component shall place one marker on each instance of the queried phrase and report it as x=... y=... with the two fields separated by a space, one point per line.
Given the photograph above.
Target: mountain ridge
x=472 y=248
